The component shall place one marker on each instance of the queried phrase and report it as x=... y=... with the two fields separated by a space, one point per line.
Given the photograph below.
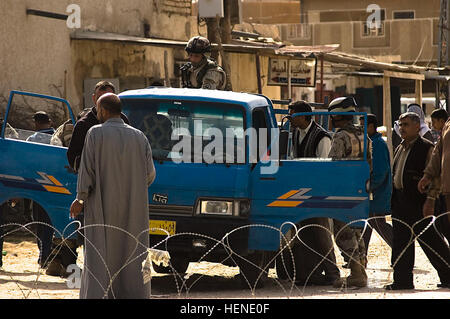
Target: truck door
x=303 y=188
x=32 y=168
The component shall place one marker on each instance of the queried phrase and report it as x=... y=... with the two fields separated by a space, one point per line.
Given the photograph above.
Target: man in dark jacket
x=380 y=186
x=86 y=122
x=310 y=140
x=410 y=159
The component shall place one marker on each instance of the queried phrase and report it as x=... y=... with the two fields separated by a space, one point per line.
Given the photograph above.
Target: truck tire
x=253 y=275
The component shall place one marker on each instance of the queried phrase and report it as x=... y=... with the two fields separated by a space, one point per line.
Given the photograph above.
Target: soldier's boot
x=357 y=278
x=61 y=257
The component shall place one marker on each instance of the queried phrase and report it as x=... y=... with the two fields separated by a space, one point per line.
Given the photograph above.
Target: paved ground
x=21 y=278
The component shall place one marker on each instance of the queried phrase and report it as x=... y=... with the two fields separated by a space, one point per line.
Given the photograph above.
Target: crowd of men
x=413 y=190
x=115 y=168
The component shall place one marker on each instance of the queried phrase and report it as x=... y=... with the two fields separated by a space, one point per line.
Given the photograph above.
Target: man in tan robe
x=115 y=171
x=436 y=174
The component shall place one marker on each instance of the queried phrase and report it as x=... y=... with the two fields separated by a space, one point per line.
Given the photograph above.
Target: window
x=38 y=120
x=299 y=31
x=403 y=15
x=202 y=123
x=373 y=31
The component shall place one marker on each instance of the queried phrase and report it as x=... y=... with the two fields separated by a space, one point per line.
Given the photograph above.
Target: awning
x=328 y=52
x=251 y=47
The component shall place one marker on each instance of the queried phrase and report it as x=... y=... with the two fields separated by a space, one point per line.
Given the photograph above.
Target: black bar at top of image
x=47 y=14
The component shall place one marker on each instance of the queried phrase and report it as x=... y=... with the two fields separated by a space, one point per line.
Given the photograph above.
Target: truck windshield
x=208 y=128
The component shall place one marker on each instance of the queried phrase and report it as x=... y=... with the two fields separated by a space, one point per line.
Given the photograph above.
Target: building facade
x=406 y=31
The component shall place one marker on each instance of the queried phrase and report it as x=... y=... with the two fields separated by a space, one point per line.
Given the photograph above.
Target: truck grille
x=170 y=210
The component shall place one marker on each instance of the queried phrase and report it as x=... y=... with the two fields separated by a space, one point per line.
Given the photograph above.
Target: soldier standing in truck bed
x=201 y=72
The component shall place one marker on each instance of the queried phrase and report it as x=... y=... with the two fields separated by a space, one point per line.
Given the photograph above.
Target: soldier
x=201 y=72
x=63 y=133
x=348 y=142
x=10 y=132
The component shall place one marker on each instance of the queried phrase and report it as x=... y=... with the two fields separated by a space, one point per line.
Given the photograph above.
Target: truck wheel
x=179 y=262
x=253 y=275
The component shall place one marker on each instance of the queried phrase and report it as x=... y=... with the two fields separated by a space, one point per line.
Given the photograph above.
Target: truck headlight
x=217 y=207
x=223 y=207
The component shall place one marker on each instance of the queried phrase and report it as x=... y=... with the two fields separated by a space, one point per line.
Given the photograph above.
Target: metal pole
x=321 y=79
x=258 y=73
x=289 y=79
x=387 y=115
x=446 y=30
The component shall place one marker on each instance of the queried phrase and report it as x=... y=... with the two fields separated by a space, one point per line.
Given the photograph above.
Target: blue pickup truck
x=224 y=189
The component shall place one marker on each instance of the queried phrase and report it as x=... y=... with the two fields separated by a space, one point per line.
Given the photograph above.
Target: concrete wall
x=101 y=59
x=271 y=12
x=243 y=75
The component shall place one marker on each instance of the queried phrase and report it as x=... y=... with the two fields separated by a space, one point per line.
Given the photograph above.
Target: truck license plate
x=157 y=227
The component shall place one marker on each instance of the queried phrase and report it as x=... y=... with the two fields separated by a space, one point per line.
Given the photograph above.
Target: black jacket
x=308 y=146
x=413 y=170
x=79 y=134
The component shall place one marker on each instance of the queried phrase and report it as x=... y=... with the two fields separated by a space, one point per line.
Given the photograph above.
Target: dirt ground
x=21 y=278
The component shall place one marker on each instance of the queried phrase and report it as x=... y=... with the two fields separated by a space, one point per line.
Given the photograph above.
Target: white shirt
x=324 y=146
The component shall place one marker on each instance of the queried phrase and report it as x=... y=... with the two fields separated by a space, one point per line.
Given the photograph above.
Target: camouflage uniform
x=207 y=75
x=10 y=132
x=63 y=134
x=348 y=142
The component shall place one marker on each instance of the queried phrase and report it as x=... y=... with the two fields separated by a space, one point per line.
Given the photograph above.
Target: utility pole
x=442 y=87
x=219 y=31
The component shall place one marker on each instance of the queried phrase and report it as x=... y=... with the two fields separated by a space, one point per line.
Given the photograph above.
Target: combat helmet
x=343 y=104
x=198 y=44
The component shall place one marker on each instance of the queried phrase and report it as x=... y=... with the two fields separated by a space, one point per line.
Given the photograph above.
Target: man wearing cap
x=310 y=140
x=348 y=142
x=43 y=127
x=201 y=71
